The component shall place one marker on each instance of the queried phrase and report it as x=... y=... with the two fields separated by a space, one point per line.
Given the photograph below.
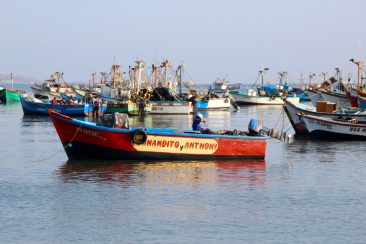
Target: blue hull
x=30 y=107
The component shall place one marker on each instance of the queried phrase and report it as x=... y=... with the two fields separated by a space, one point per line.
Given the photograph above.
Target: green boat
x=128 y=107
x=8 y=95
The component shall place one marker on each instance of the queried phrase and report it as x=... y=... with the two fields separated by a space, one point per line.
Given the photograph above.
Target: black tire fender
x=139 y=137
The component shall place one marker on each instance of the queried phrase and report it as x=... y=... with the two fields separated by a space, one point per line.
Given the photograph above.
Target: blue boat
x=40 y=107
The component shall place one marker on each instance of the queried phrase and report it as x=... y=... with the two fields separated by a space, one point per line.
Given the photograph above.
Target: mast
x=311 y=76
x=359 y=67
x=338 y=71
x=179 y=69
x=115 y=70
x=139 y=67
x=261 y=73
x=93 y=76
x=283 y=76
x=12 y=80
x=165 y=64
x=324 y=74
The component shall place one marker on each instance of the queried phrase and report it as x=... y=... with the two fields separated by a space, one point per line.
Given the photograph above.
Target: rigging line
x=282 y=111
x=64 y=147
x=283 y=119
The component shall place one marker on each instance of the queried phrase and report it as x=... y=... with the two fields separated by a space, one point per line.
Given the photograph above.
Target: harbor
x=38 y=180
x=193 y=122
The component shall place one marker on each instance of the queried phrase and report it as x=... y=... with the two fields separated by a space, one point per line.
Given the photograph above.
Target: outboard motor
x=254 y=127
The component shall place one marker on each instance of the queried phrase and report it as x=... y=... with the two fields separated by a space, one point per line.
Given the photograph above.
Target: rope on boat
x=280 y=134
x=64 y=147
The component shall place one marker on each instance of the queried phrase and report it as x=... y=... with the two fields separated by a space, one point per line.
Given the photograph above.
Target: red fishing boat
x=82 y=140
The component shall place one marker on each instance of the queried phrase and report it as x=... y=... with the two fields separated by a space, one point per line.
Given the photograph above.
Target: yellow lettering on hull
x=169 y=144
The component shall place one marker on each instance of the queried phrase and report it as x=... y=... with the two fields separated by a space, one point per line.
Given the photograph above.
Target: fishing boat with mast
x=164 y=99
x=264 y=95
x=9 y=94
x=126 y=95
x=223 y=86
x=324 y=110
x=330 y=128
x=52 y=87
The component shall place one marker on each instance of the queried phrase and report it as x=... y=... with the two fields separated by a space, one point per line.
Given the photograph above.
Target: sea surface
x=307 y=191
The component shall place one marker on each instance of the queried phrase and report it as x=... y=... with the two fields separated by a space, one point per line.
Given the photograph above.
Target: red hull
x=85 y=140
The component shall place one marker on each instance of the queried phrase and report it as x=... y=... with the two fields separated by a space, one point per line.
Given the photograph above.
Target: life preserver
x=139 y=137
x=226 y=100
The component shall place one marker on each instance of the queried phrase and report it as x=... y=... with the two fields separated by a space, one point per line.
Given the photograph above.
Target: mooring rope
x=63 y=147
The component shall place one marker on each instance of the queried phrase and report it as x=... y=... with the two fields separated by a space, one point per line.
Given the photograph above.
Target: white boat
x=339 y=98
x=293 y=112
x=52 y=87
x=171 y=107
x=315 y=96
x=222 y=86
x=327 y=128
x=251 y=98
x=213 y=104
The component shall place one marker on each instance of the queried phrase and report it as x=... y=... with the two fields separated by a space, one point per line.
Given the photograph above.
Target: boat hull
x=340 y=99
x=325 y=128
x=315 y=97
x=174 y=107
x=213 y=104
x=244 y=99
x=128 y=107
x=293 y=111
x=85 y=140
x=8 y=95
x=30 y=107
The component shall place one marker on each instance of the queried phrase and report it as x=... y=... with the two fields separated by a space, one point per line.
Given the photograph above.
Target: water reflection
x=177 y=174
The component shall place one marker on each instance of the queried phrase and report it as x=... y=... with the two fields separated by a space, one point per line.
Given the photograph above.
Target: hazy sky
x=212 y=38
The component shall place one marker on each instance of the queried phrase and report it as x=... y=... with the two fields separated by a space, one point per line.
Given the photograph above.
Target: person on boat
x=54 y=101
x=96 y=106
x=71 y=101
x=196 y=125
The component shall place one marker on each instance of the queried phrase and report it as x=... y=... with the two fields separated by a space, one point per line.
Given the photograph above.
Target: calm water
x=304 y=192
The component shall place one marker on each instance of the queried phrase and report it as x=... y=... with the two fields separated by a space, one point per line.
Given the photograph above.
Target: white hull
x=258 y=100
x=214 y=103
x=336 y=129
x=315 y=97
x=339 y=100
x=292 y=111
x=171 y=107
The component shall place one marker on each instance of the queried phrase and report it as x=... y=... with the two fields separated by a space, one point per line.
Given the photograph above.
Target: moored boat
x=139 y=107
x=328 y=128
x=315 y=96
x=220 y=103
x=171 y=107
x=87 y=140
x=8 y=95
x=251 y=98
x=39 y=107
x=293 y=112
x=340 y=98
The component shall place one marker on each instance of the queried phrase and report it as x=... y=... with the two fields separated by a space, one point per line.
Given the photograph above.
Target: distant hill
x=18 y=79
